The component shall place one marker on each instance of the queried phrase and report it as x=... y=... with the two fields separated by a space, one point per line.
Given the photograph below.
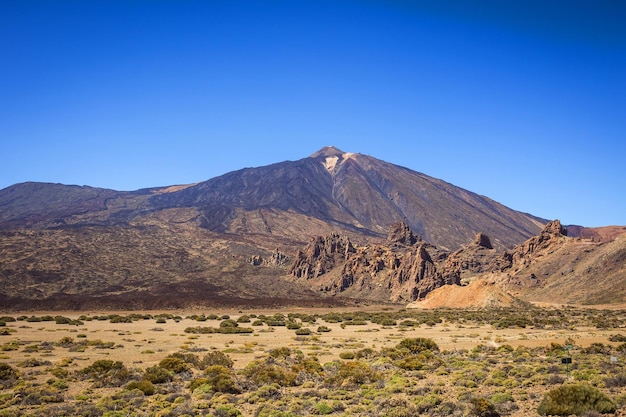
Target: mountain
x=349 y=192
x=230 y=239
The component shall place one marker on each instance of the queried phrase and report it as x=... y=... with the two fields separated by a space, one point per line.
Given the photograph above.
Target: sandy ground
x=144 y=343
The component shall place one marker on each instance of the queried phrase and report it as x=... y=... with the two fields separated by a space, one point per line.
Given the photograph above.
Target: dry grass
x=471 y=345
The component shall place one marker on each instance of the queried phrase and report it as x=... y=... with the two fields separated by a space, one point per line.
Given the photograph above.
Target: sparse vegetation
x=429 y=363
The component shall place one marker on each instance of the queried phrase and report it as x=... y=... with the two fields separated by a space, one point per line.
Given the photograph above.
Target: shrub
x=281 y=352
x=106 y=372
x=323 y=408
x=353 y=373
x=120 y=319
x=157 y=375
x=616 y=381
x=417 y=345
x=221 y=380
x=189 y=358
x=410 y=363
x=482 y=407
x=262 y=374
x=174 y=364
x=243 y=319
x=33 y=362
x=197 y=383
x=347 y=355
x=144 y=386
x=323 y=329
x=34 y=395
x=575 y=399
x=229 y=323
x=216 y=358
x=303 y=332
x=612 y=338
x=62 y=320
x=8 y=375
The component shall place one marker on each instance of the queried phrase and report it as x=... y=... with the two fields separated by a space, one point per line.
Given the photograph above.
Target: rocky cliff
x=403 y=268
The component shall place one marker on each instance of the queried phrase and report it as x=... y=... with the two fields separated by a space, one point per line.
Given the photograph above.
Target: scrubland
x=292 y=362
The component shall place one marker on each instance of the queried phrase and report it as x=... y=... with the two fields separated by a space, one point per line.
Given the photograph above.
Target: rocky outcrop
x=401 y=270
x=550 y=266
x=401 y=234
x=483 y=241
x=276 y=258
x=551 y=234
x=321 y=255
x=476 y=258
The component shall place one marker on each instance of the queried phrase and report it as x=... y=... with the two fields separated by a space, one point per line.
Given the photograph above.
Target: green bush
x=244 y=319
x=115 y=318
x=263 y=374
x=612 y=338
x=323 y=408
x=353 y=373
x=347 y=355
x=303 y=332
x=174 y=364
x=8 y=375
x=281 y=352
x=575 y=399
x=221 y=380
x=144 y=386
x=216 y=358
x=106 y=373
x=229 y=323
x=417 y=345
x=157 y=375
x=482 y=407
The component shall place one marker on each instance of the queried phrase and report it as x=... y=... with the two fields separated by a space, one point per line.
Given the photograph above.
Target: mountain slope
x=355 y=193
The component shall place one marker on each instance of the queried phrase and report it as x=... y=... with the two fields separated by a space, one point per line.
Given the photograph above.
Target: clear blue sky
x=521 y=101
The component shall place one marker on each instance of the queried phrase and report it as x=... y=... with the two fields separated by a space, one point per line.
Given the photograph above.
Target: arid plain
x=307 y=361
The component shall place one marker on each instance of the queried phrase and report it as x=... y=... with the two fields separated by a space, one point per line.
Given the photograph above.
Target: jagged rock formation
x=321 y=255
x=405 y=269
x=552 y=233
x=402 y=269
x=276 y=258
x=401 y=234
x=476 y=258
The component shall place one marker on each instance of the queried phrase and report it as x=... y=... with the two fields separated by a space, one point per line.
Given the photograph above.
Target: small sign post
x=567 y=360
